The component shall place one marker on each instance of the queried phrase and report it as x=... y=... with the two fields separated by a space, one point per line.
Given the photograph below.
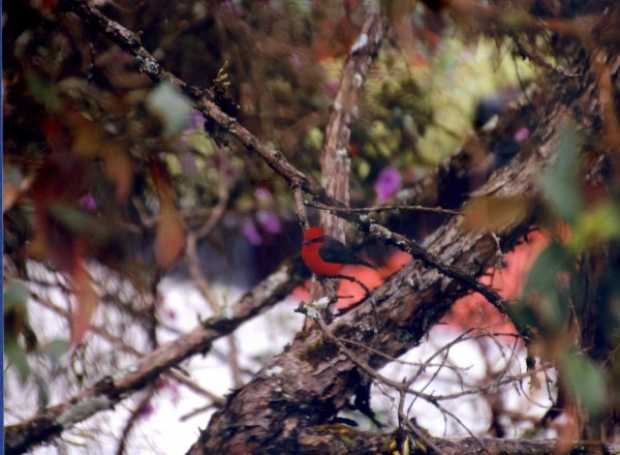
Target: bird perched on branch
x=326 y=256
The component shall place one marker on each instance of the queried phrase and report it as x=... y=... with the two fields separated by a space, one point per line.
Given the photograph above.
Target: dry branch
x=335 y=160
x=340 y=439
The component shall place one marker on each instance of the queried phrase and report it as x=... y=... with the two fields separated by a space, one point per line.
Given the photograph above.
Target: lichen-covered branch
x=335 y=160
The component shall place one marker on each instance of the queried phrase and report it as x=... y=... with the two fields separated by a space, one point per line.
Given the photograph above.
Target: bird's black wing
x=334 y=251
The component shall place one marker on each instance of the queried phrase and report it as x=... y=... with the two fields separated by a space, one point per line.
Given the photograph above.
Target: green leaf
x=314 y=139
x=78 y=221
x=17 y=359
x=174 y=165
x=585 y=381
x=44 y=92
x=15 y=295
x=595 y=226
x=559 y=182
x=363 y=168
x=544 y=273
x=43 y=391
x=201 y=142
x=55 y=349
x=171 y=106
x=542 y=291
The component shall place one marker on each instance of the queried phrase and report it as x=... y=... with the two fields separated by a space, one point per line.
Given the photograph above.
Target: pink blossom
x=88 y=202
x=262 y=194
x=269 y=221
x=387 y=184
x=250 y=232
x=522 y=134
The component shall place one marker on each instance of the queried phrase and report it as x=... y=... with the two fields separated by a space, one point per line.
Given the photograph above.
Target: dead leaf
x=86 y=302
x=12 y=190
x=491 y=213
x=170 y=237
x=118 y=169
x=88 y=138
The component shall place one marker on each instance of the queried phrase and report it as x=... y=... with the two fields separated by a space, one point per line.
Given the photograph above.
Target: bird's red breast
x=314 y=238
x=324 y=255
x=313 y=233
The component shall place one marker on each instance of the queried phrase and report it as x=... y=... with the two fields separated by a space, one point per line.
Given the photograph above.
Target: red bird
x=326 y=256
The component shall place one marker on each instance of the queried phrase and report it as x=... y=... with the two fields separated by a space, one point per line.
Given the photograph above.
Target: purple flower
x=147 y=410
x=188 y=164
x=522 y=134
x=250 y=232
x=169 y=313
x=262 y=194
x=198 y=120
x=269 y=221
x=88 y=202
x=387 y=184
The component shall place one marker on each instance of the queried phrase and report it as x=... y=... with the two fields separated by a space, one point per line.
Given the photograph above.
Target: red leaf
x=86 y=302
x=170 y=237
x=118 y=169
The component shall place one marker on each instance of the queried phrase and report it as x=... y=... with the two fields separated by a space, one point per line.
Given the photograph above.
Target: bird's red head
x=313 y=232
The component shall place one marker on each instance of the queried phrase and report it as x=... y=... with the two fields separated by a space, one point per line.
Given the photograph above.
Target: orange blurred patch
x=474 y=310
x=470 y=311
x=351 y=293
x=394 y=263
x=301 y=293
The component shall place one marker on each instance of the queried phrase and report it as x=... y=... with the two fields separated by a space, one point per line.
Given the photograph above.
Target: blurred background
x=129 y=218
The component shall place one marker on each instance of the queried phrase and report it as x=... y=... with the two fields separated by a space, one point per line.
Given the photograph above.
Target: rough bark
x=341 y=440
x=335 y=160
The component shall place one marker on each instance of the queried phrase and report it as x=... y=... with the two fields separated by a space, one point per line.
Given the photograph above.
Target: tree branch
x=109 y=391
x=340 y=439
x=335 y=160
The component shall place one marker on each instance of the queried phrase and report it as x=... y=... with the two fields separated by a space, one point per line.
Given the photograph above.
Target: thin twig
x=383 y=208
x=179 y=377
x=133 y=419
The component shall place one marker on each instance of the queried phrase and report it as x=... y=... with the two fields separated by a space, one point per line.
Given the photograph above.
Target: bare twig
x=233 y=361
x=133 y=419
x=383 y=208
x=179 y=377
x=195 y=271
